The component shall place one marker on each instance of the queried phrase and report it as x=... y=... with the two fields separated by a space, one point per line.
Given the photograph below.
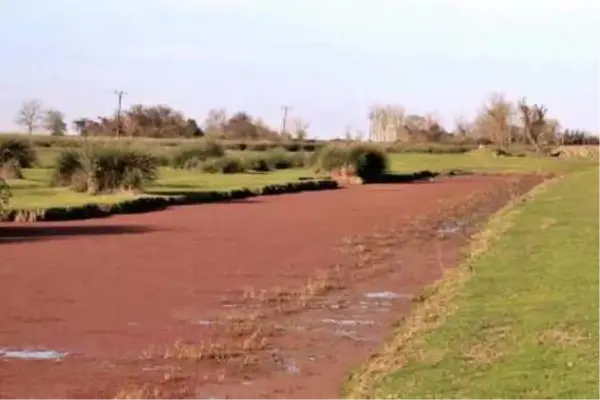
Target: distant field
x=524 y=325
x=34 y=190
x=483 y=162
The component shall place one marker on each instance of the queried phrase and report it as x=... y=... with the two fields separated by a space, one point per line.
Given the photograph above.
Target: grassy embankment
x=518 y=320
x=34 y=190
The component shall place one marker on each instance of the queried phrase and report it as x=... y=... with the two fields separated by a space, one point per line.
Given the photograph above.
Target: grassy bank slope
x=520 y=320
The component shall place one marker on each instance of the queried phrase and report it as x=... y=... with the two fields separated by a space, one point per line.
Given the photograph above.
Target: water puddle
x=347 y=322
x=345 y=332
x=451 y=227
x=157 y=368
x=387 y=295
x=291 y=367
x=32 y=354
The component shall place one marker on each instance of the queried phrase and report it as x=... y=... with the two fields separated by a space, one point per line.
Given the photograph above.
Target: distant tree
x=551 y=133
x=462 y=126
x=159 y=121
x=79 y=125
x=243 y=126
x=215 y=122
x=387 y=123
x=348 y=133
x=533 y=119
x=299 y=128
x=162 y=121
x=30 y=115
x=494 y=123
x=578 y=137
x=85 y=126
x=192 y=129
x=54 y=122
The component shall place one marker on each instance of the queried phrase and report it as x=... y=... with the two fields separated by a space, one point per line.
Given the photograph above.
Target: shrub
x=224 y=165
x=257 y=163
x=431 y=148
x=104 y=169
x=191 y=156
x=69 y=162
x=4 y=195
x=275 y=159
x=366 y=161
x=331 y=158
x=14 y=155
x=257 y=146
x=279 y=159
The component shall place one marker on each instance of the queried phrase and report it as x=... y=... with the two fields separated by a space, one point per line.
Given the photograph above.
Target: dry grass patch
x=560 y=338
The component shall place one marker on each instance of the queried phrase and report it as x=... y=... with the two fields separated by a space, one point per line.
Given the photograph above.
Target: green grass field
x=34 y=190
x=519 y=320
x=483 y=161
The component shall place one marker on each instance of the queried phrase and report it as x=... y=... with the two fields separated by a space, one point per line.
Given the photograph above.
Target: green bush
x=275 y=159
x=431 y=148
x=224 y=165
x=258 y=163
x=192 y=156
x=4 y=195
x=279 y=159
x=14 y=155
x=331 y=158
x=368 y=162
x=258 y=146
x=102 y=169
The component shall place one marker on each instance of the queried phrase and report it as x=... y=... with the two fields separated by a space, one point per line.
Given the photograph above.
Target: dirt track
x=115 y=293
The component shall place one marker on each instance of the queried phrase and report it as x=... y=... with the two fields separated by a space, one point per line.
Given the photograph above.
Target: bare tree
x=501 y=114
x=215 y=121
x=534 y=122
x=494 y=122
x=54 y=121
x=462 y=126
x=348 y=133
x=551 y=132
x=387 y=123
x=30 y=115
x=300 y=128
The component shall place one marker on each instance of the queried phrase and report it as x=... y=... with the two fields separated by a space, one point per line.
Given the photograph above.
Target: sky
x=329 y=60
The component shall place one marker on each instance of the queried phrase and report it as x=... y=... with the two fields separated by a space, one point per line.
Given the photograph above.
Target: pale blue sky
x=329 y=59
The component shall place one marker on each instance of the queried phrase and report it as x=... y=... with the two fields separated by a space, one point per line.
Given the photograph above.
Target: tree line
x=499 y=121
x=159 y=121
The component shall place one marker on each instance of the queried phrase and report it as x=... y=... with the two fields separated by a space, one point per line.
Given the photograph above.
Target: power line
x=120 y=94
x=284 y=118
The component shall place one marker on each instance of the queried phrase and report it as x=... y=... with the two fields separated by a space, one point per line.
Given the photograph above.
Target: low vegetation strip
x=153 y=203
x=518 y=320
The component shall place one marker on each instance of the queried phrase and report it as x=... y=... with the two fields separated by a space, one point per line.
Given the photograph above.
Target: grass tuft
x=104 y=169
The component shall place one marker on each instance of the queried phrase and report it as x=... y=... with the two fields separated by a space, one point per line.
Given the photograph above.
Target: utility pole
x=284 y=118
x=120 y=94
